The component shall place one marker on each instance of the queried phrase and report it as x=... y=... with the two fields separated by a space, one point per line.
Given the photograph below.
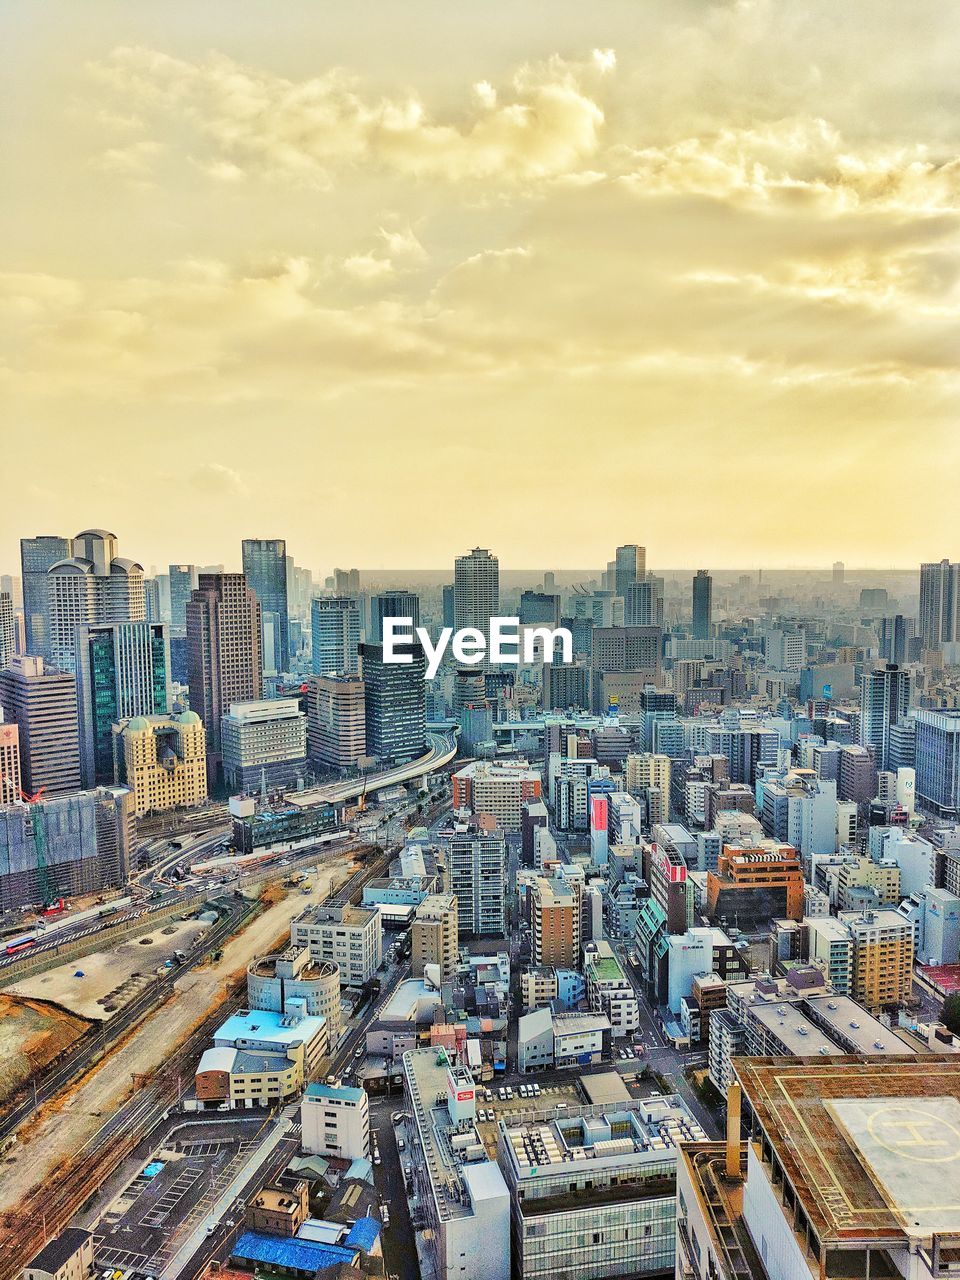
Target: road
x=442 y=749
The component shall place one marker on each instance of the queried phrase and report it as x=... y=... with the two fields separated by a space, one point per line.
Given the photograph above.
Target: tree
x=950 y=1017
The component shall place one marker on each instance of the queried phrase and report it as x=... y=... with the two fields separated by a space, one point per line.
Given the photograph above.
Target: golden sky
x=399 y=277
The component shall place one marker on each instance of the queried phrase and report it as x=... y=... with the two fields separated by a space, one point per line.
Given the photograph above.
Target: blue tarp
x=364 y=1234
x=299 y=1255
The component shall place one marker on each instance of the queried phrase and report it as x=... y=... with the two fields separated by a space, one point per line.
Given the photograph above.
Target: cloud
x=214 y=479
x=245 y=120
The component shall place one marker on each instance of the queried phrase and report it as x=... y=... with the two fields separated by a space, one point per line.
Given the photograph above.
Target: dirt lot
x=112 y=978
x=31 y=1035
x=65 y=1129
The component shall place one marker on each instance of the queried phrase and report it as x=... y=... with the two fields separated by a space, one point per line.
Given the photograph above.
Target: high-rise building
x=477 y=874
x=565 y=687
x=622 y=649
x=496 y=790
x=539 y=608
x=7 y=629
x=334 y=635
x=37 y=556
x=476 y=591
x=392 y=604
x=939 y=621
x=447 y=604
x=265 y=569
x=153 y=605
x=702 y=604
x=895 y=636
x=183 y=580
x=162 y=759
x=883 y=947
x=43 y=704
x=643 y=604
x=434 y=936
x=264 y=744
x=224 y=661
x=884 y=701
x=395 y=702
x=123 y=670
x=938 y=760
x=336 y=721
x=838 y=573
x=555 y=923
x=629 y=565
x=346 y=582
x=95 y=585
x=10 y=779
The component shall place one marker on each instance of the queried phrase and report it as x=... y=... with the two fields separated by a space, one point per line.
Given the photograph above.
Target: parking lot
x=171 y=1193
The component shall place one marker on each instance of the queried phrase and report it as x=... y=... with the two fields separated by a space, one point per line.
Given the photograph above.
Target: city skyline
x=241 y=254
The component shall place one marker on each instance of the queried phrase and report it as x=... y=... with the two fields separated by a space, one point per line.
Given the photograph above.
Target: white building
x=351 y=937
x=477 y=874
x=266 y=740
x=609 y=991
x=335 y=1121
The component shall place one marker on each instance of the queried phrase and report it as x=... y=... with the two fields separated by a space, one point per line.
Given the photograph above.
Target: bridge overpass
x=441 y=749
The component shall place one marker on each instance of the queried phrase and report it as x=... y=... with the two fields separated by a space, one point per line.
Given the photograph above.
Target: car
x=522 y=1091
x=360 y=1052
x=509 y=1091
x=401 y=1145
x=397 y=1117
x=536 y=1090
x=385 y=1216
x=376 y=1157
x=211 y=1228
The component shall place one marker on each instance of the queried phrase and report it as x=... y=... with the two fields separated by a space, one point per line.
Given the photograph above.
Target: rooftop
x=343 y=1092
x=264 y=1027
x=56 y=1253
x=870 y=1151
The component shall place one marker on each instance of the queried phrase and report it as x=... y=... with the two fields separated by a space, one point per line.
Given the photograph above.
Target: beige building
x=336 y=721
x=163 y=761
x=648 y=770
x=555 y=923
x=883 y=947
x=68 y=1257
x=434 y=935
x=864 y=873
x=9 y=762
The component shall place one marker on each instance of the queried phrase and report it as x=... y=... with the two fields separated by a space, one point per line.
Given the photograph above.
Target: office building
x=496 y=790
x=643 y=604
x=555 y=921
x=393 y=604
x=7 y=629
x=395 y=709
x=477 y=874
x=434 y=936
x=566 y=687
x=896 y=634
x=537 y=608
x=10 y=779
x=702 y=604
x=265 y=569
x=884 y=701
x=183 y=581
x=629 y=565
x=883 y=951
x=264 y=744
x=43 y=705
x=609 y=991
x=95 y=585
x=223 y=653
x=334 y=635
x=335 y=1121
x=939 y=604
x=37 y=556
x=123 y=670
x=348 y=936
x=857 y=775
x=476 y=592
x=460 y=1192
x=592 y=1189
x=336 y=721
x=618 y=650
x=753 y=886
x=162 y=759
x=938 y=761
x=261 y=1059
x=856 y=1189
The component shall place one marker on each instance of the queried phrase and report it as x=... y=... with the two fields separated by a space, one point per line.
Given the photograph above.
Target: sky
x=391 y=280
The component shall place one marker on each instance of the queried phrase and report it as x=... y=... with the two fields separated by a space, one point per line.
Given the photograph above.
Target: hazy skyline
x=393 y=280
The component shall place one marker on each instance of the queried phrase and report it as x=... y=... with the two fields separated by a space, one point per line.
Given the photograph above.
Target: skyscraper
x=224 y=659
x=7 y=630
x=838 y=573
x=629 y=565
x=183 y=583
x=336 y=721
x=95 y=585
x=447 y=604
x=37 y=555
x=265 y=569
x=884 y=702
x=895 y=636
x=643 y=604
x=538 y=608
x=939 y=603
x=123 y=670
x=10 y=781
x=476 y=591
x=334 y=635
x=392 y=604
x=395 y=702
x=702 y=604
x=44 y=706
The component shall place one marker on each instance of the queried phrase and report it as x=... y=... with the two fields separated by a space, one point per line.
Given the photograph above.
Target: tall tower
x=629 y=565
x=95 y=585
x=334 y=635
x=939 y=603
x=476 y=591
x=224 y=659
x=44 y=706
x=265 y=569
x=7 y=629
x=702 y=604
x=395 y=702
x=392 y=604
x=884 y=702
x=37 y=555
x=183 y=583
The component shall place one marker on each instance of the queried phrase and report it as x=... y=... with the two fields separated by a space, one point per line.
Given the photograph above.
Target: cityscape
x=314 y=965
x=479 y=640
